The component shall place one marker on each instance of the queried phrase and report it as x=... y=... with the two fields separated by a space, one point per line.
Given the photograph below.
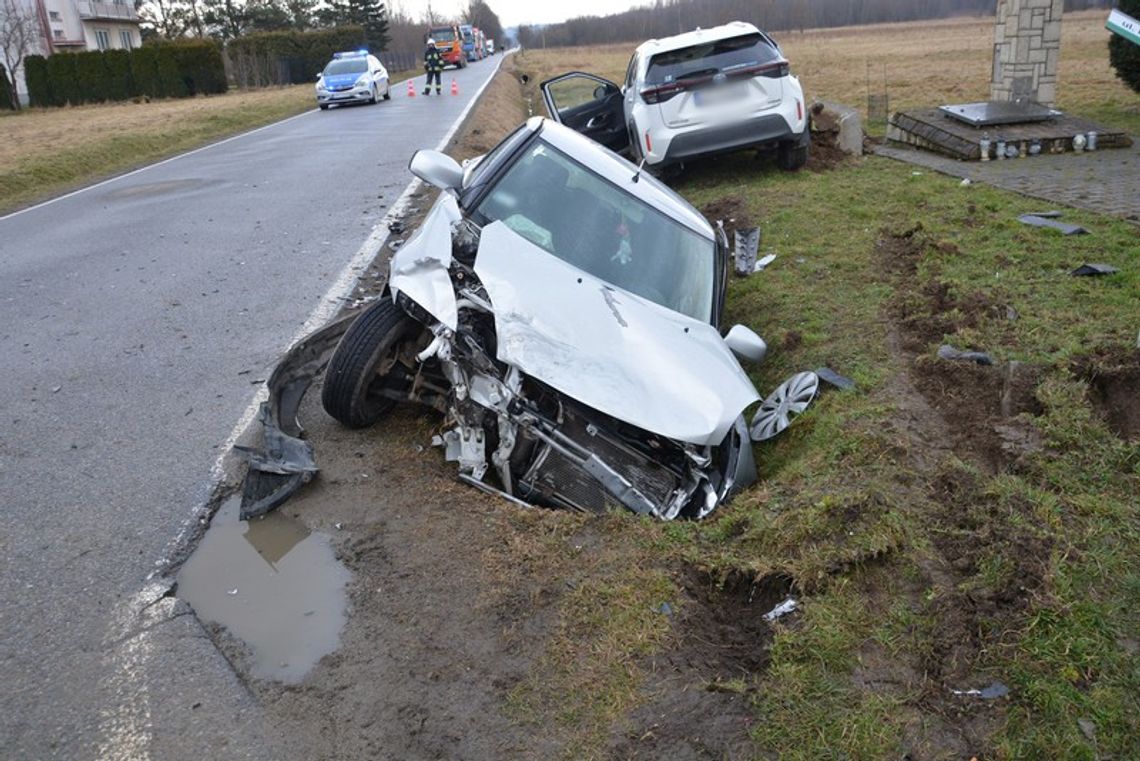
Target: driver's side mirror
x=319 y=77
x=746 y=344
x=437 y=169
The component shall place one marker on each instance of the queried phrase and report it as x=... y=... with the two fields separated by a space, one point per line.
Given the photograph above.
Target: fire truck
x=449 y=43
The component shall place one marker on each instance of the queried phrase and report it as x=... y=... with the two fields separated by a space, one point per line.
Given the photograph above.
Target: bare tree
x=19 y=36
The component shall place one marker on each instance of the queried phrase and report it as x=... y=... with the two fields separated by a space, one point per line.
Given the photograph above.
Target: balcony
x=89 y=11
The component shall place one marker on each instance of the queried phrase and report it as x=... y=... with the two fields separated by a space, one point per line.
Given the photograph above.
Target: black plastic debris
x=946 y=351
x=832 y=378
x=396 y=227
x=1092 y=270
x=746 y=245
x=1045 y=214
x=1062 y=227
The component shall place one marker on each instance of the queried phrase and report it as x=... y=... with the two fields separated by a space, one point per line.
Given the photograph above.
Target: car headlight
x=363 y=81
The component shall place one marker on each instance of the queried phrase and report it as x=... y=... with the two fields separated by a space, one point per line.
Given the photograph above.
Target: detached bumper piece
x=284 y=461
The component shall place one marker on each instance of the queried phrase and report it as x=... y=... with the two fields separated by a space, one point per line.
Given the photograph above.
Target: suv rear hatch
x=715 y=81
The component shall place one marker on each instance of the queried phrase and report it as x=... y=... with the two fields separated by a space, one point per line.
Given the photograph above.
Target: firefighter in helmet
x=433 y=65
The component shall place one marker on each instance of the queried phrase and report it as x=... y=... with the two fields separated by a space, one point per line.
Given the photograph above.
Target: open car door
x=590 y=105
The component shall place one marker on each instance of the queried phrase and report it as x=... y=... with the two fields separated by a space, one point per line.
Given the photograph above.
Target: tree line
x=668 y=17
x=385 y=29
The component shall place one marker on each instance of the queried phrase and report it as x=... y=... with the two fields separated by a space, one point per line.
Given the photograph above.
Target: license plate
x=716 y=95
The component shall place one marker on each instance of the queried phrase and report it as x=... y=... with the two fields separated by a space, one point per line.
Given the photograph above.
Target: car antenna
x=637 y=174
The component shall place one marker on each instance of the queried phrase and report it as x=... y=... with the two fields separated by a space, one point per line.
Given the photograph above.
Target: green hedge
x=5 y=89
x=90 y=76
x=120 y=85
x=289 y=57
x=165 y=70
x=61 y=70
x=38 y=81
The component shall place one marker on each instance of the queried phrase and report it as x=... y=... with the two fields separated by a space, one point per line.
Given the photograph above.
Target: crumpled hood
x=608 y=349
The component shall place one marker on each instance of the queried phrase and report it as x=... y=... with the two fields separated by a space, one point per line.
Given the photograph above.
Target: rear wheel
x=792 y=157
x=366 y=364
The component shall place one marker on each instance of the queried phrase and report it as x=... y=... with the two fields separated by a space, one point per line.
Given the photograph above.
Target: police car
x=352 y=77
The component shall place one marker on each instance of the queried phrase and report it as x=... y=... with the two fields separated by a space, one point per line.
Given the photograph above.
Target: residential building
x=74 y=25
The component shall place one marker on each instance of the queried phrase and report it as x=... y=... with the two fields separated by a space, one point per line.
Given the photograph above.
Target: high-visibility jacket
x=433 y=60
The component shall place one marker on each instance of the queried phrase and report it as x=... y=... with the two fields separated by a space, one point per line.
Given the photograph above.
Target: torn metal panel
x=419 y=269
x=608 y=349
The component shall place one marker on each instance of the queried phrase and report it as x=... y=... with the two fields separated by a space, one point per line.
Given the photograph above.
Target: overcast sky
x=512 y=12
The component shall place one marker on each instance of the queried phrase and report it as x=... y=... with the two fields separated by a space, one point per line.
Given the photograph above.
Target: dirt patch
x=980 y=404
x=1114 y=388
x=733 y=211
x=698 y=704
x=500 y=111
x=825 y=157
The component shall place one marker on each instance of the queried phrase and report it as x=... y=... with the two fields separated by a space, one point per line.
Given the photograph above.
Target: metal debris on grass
x=781 y=610
x=946 y=351
x=992 y=692
x=1093 y=270
x=1062 y=227
x=764 y=262
x=746 y=244
x=832 y=378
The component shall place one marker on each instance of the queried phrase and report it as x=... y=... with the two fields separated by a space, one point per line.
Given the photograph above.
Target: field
x=944 y=527
x=915 y=64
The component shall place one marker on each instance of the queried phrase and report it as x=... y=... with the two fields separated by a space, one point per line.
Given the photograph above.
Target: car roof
x=697 y=36
x=620 y=172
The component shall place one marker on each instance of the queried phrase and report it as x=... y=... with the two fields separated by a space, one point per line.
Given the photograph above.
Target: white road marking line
x=125 y=725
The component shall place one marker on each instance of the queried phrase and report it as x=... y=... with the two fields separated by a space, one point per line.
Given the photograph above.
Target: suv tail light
x=662 y=93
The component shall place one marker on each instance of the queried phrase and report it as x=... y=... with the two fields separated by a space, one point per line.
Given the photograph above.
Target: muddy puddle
x=272 y=584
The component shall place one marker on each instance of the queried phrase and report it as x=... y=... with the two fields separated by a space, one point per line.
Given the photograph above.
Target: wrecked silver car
x=562 y=311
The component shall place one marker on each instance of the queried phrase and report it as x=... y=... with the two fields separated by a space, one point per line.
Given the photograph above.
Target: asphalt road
x=136 y=319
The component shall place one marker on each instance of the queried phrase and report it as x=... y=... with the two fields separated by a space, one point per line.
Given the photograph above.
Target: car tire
x=354 y=368
x=324 y=106
x=791 y=157
x=374 y=98
x=388 y=92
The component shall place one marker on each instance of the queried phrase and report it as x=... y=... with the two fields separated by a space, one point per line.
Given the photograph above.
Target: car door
x=590 y=105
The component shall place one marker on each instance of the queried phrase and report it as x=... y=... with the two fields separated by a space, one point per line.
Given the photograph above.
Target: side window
x=631 y=72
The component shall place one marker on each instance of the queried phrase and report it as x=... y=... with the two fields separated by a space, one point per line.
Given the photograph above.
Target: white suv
x=695 y=94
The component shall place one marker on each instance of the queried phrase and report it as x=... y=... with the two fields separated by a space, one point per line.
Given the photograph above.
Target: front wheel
x=388 y=92
x=366 y=363
x=324 y=106
x=373 y=99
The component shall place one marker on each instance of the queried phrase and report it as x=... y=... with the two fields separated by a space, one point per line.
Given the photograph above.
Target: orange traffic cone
x=454 y=86
x=411 y=89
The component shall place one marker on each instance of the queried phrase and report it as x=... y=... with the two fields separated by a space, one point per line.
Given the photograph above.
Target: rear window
x=443 y=35
x=708 y=58
x=347 y=66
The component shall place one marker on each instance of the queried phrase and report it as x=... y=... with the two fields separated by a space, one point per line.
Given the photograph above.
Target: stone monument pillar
x=1027 y=44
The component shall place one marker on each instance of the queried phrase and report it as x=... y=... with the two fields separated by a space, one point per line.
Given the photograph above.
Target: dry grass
x=499 y=111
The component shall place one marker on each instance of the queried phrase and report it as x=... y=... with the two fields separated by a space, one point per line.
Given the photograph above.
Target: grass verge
x=945 y=526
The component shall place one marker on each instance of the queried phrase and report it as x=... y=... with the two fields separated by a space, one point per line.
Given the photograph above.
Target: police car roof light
x=349 y=54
